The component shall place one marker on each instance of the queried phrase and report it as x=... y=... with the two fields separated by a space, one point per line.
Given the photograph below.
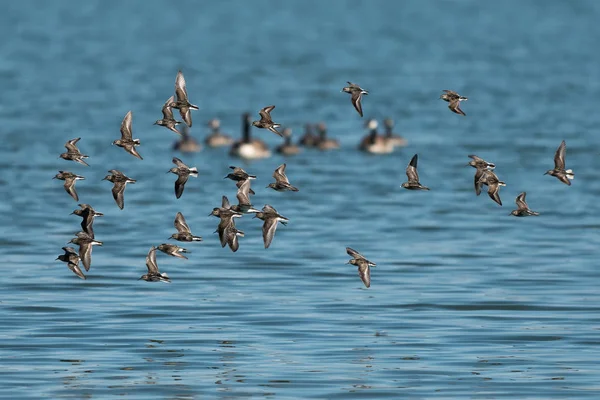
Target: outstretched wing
x=265 y=114
x=151 y=261
x=279 y=174
x=411 y=170
x=180 y=90
x=180 y=224
x=126 y=127
x=559 y=156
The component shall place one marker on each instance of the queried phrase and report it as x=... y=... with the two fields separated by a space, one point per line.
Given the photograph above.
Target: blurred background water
x=465 y=302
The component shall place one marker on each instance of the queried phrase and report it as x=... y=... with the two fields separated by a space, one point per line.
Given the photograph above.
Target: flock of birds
x=253 y=148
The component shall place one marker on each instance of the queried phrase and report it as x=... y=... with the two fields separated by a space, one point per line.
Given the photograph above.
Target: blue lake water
x=465 y=302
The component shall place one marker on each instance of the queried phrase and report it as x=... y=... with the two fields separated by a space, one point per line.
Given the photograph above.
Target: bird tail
x=196 y=238
x=570 y=174
x=136 y=142
x=194 y=107
x=501 y=183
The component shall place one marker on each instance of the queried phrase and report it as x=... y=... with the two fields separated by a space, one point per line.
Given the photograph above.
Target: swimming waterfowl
x=490 y=179
x=288 y=148
x=173 y=250
x=413 y=176
x=324 y=142
x=266 y=122
x=85 y=243
x=356 y=93
x=281 y=183
x=88 y=214
x=522 y=207
x=184 y=234
x=70 y=179
x=73 y=153
x=187 y=144
x=308 y=139
x=454 y=99
x=565 y=176
x=119 y=180
x=271 y=217
x=374 y=143
x=72 y=259
x=154 y=275
x=390 y=136
x=182 y=103
x=183 y=172
x=217 y=138
x=481 y=165
x=364 y=265
x=126 y=141
x=248 y=148
x=168 y=121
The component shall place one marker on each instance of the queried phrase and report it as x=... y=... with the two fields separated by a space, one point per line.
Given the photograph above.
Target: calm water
x=465 y=302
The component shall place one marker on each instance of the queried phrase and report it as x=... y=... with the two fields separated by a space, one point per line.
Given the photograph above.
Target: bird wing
x=126 y=127
x=131 y=150
x=478 y=180
x=356 y=97
x=85 y=254
x=180 y=224
x=521 y=203
x=265 y=114
x=455 y=106
x=151 y=261
x=365 y=273
x=268 y=230
x=167 y=112
x=70 y=188
x=493 y=189
x=180 y=90
x=353 y=253
x=279 y=174
x=74 y=266
x=225 y=203
x=180 y=184
x=179 y=163
x=71 y=145
x=267 y=209
x=411 y=170
x=231 y=237
x=186 y=115
x=243 y=192
x=117 y=191
x=559 y=156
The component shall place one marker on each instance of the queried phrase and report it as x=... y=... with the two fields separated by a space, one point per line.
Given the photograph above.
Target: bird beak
x=139 y=279
x=53 y=177
x=155 y=123
x=209 y=214
x=546 y=173
x=56 y=259
x=224 y=177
